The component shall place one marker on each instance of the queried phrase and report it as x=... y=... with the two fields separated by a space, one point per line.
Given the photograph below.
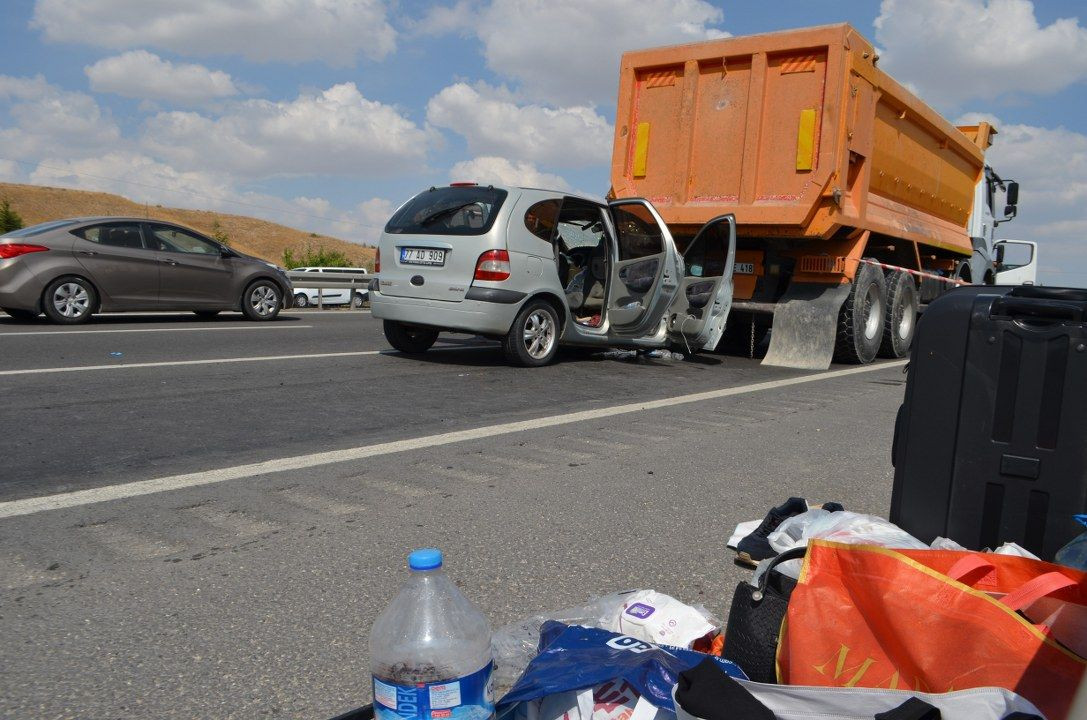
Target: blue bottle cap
x=425 y=559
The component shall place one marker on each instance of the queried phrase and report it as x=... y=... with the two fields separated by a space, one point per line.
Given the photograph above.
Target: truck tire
x=409 y=339
x=901 y=320
x=861 y=319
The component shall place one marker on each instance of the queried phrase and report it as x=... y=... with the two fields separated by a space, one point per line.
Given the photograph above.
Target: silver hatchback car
x=71 y=269
x=538 y=268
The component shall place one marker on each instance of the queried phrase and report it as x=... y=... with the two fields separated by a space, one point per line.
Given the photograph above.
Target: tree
x=315 y=257
x=9 y=219
x=219 y=234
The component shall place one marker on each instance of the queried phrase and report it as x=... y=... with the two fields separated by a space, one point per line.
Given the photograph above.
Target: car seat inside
x=582 y=259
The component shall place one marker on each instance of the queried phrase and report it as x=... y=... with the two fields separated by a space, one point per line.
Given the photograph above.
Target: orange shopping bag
x=934 y=621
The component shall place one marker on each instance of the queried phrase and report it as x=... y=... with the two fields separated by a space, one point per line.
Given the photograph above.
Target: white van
x=308 y=297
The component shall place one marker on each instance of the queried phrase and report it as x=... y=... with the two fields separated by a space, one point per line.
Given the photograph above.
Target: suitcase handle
x=1045 y=309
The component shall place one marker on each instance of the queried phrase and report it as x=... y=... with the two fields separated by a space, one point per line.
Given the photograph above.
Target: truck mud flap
x=805 y=326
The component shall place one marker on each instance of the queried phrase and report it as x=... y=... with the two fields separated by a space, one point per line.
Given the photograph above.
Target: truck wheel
x=901 y=318
x=408 y=338
x=533 y=340
x=861 y=320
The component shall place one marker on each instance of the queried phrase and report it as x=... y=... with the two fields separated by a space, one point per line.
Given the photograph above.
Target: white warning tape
x=931 y=276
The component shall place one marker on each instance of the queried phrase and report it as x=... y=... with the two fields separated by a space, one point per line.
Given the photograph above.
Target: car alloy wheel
x=263 y=300
x=71 y=300
x=539 y=334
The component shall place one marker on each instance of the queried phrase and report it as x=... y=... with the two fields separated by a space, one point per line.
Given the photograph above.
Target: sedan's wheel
x=533 y=340
x=409 y=339
x=301 y=300
x=69 y=300
x=20 y=315
x=262 y=301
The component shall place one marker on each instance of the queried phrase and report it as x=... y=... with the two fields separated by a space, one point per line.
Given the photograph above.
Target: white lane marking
x=221 y=361
x=148 y=330
x=28 y=506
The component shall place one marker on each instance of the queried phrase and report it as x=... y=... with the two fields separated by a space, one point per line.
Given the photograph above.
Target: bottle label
x=468 y=698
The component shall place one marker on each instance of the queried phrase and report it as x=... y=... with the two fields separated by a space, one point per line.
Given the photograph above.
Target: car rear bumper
x=20 y=288
x=473 y=316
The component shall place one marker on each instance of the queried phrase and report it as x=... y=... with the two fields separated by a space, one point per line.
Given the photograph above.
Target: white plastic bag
x=842 y=526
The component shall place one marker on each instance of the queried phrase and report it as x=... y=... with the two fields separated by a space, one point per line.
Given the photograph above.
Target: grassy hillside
x=249 y=235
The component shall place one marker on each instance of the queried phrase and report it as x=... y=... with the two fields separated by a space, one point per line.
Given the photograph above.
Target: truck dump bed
x=798 y=134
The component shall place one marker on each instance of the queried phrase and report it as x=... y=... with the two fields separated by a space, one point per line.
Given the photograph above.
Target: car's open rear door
x=644 y=279
x=697 y=315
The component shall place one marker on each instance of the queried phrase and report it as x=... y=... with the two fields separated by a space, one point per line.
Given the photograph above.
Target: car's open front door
x=697 y=316
x=645 y=276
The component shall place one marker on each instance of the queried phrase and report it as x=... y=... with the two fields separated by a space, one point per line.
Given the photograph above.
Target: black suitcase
x=990 y=444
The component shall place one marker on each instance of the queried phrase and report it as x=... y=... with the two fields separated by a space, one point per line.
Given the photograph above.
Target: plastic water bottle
x=430 y=650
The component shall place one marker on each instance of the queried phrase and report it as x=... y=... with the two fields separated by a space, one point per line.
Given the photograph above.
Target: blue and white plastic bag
x=574 y=658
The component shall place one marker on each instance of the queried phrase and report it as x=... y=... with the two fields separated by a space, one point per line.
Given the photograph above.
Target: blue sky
x=325 y=116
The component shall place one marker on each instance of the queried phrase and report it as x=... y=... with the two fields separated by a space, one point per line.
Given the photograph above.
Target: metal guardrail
x=329 y=281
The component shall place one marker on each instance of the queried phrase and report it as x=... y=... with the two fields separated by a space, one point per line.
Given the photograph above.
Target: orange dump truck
x=855 y=202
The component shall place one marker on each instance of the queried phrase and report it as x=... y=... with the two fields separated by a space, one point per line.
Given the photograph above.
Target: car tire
x=901 y=322
x=205 y=314
x=533 y=339
x=357 y=300
x=301 y=300
x=862 y=317
x=70 y=300
x=409 y=339
x=262 y=300
x=21 y=315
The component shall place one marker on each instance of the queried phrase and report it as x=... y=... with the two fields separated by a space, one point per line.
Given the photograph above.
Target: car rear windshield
x=448 y=211
x=38 y=229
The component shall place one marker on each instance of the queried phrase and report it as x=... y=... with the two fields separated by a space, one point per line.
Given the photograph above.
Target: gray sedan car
x=71 y=269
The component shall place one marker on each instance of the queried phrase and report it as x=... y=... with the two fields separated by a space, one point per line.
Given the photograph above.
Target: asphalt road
x=214 y=538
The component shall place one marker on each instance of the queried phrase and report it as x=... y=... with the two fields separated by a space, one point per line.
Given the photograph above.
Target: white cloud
x=333 y=31
x=337 y=131
x=501 y=171
x=567 y=52
x=494 y=124
x=955 y=51
x=10 y=171
x=443 y=19
x=44 y=119
x=1051 y=166
x=140 y=74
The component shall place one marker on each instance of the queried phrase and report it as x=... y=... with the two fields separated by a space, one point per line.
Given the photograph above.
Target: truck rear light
x=10 y=250
x=463 y=184
x=377 y=260
x=493 y=265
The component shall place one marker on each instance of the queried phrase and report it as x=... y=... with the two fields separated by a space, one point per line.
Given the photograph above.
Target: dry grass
x=249 y=235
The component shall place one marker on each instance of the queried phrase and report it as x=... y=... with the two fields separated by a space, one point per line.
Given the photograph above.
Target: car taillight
x=493 y=265
x=10 y=250
x=377 y=260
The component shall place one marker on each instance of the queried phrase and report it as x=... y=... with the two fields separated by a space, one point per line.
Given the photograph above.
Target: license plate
x=745 y=268
x=422 y=256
